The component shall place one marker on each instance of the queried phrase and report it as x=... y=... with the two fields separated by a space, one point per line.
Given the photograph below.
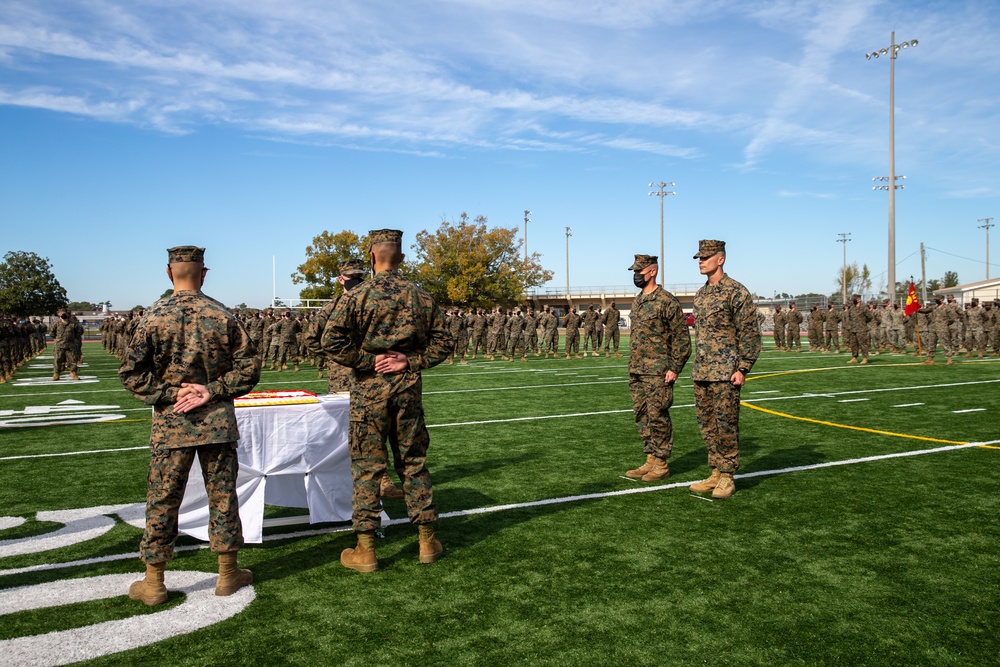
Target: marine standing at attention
x=388 y=330
x=728 y=344
x=189 y=358
x=659 y=347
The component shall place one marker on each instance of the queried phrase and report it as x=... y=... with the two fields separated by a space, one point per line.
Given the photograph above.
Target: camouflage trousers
x=589 y=340
x=779 y=338
x=400 y=420
x=717 y=405
x=287 y=352
x=613 y=336
x=63 y=360
x=936 y=336
x=857 y=342
x=168 y=475
x=515 y=346
x=832 y=340
x=478 y=342
x=651 y=401
x=573 y=341
x=492 y=341
x=552 y=340
x=794 y=338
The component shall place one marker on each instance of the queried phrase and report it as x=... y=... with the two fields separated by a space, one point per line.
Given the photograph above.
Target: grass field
x=863 y=532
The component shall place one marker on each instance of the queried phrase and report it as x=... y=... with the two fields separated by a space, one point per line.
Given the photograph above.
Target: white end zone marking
x=200 y=609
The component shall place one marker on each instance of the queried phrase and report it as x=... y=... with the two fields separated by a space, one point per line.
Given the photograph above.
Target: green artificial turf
x=883 y=562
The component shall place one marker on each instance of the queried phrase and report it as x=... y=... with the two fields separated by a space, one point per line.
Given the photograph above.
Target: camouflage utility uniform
x=727 y=336
x=384 y=314
x=191 y=338
x=659 y=342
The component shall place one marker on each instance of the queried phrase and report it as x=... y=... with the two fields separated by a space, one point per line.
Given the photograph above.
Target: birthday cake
x=285 y=397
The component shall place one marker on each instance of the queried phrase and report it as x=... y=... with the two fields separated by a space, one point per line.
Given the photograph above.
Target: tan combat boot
x=73 y=375
x=524 y=359
x=660 y=470
x=362 y=557
x=463 y=362
x=430 y=547
x=296 y=368
x=949 y=362
x=863 y=361
x=707 y=484
x=231 y=578
x=567 y=356
x=320 y=375
x=389 y=490
x=150 y=591
x=607 y=355
x=726 y=487
x=643 y=469
x=852 y=360
x=617 y=354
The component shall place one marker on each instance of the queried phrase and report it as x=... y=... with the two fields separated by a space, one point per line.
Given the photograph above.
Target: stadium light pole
x=844 y=238
x=892 y=51
x=569 y=233
x=987 y=223
x=527 y=219
x=661 y=193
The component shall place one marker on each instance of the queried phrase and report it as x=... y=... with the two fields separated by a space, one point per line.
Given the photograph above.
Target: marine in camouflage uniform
x=288 y=331
x=189 y=358
x=495 y=324
x=793 y=318
x=896 y=332
x=857 y=336
x=388 y=330
x=552 y=334
x=478 y=326
x=815 y=328
x=659 y=347
x=612 y=335
x=779 y=328
x=572 y=325
x=728 y=343
x=590 y=318
x=64 y=340
x=941 y=318
x=977 y=338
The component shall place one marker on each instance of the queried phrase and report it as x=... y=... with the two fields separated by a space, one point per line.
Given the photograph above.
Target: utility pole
x=526 y=221
x=987 y=223
x=923 y=275
x=844 y=238
x=569 y=233
x=661 y=193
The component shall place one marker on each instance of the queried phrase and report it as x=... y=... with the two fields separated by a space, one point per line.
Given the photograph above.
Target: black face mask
x=639 y=279
x=351 y=282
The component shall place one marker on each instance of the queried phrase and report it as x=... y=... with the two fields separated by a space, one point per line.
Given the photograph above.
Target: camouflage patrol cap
x=353 y=267
x=185 y=253
x=708 y=247
x=642 y=261
x=385 y=236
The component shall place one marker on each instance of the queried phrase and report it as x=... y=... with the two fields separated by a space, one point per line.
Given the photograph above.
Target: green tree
x=82 y=305
x=859 y=281
x=28 y=286
x=323 y=259
x=167 y=292
x=467 y=264
x=950 y=279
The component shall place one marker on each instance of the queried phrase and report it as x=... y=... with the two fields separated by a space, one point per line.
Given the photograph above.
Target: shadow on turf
x=776 y=459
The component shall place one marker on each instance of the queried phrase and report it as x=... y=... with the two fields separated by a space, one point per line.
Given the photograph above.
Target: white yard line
x=959 y=412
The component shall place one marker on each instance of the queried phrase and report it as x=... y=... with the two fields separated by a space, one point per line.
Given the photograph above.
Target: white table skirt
x=290 y=456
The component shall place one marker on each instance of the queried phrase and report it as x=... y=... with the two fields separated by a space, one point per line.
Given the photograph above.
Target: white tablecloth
x=291 y=456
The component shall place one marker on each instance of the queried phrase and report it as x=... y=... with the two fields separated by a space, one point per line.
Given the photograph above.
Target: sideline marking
x=907 y=405
x=959 y=412
x=515 y=506
x=853 y=400
x=851 y=428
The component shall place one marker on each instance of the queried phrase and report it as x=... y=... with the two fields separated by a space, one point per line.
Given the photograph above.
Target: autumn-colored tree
x=466 y=264
x=859 y=281
x=323 y=259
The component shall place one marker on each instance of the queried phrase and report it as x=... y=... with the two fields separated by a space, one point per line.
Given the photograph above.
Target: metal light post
x=844 y=238
x=661 y=193
x=892 y=51
x=884 y=180
x=526 y=221
x=569 y=233
x=987 y=223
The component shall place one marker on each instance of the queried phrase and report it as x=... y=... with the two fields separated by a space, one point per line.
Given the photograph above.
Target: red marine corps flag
x=912 y=305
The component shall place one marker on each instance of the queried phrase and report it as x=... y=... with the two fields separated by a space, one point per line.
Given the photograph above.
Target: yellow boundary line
x=844 y=426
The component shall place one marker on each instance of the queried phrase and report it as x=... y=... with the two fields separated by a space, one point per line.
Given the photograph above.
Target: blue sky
x=249 y=127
